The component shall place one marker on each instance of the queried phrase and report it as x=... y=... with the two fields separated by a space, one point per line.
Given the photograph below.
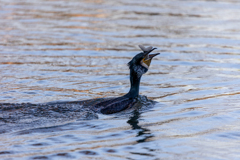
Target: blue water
x=76 y=50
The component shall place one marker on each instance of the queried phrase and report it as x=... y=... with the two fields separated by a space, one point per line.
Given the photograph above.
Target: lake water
x=75 y=50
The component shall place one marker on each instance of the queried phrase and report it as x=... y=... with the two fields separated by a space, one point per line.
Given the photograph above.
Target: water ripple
x=75 y=50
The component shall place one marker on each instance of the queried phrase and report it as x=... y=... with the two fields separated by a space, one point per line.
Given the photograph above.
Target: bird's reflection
x=143 y=132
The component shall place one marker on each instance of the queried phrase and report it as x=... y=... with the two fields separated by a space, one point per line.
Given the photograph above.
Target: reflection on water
x=143 y=132
x=75 y=50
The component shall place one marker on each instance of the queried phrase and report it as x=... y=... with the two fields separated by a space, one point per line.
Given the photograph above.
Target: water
x=75 y=50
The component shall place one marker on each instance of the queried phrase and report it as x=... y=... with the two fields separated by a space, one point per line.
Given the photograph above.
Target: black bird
x=86 y=109
x=138 y=66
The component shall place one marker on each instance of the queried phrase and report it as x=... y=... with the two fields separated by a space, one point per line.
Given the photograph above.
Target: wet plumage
x=137 y=66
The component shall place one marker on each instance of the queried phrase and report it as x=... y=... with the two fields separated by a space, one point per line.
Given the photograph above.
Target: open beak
x=150 y=56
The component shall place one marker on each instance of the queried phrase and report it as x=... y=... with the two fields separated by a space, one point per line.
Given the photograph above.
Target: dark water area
x=77 y=50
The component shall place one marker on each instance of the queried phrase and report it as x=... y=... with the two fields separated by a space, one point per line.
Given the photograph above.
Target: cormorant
x=138 y=66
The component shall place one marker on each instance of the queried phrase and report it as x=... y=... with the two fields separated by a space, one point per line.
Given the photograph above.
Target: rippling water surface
x=75 y=50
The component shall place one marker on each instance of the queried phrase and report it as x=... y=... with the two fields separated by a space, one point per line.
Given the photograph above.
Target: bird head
x=141 y=62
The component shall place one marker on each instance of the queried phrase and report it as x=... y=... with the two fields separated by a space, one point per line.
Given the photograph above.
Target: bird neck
x=135 y=83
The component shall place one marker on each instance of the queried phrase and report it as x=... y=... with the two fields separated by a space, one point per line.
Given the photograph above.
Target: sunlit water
x=75 y=50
